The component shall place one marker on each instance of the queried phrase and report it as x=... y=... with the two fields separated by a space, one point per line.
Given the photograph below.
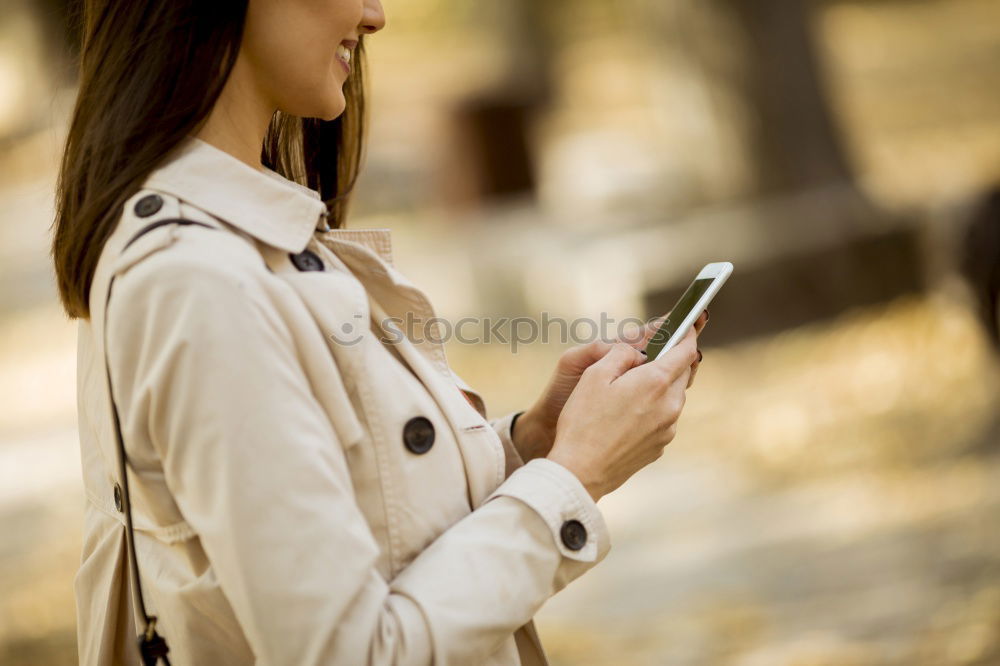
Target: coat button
x=418 y=434
x=148 y=205
x=118 y=497
x=306 y=260
x=573 y=534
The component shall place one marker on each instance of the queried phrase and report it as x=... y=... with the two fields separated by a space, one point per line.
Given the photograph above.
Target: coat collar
x=378 y=240
x=263 y=203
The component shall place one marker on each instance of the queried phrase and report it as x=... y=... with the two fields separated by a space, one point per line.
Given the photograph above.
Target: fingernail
x=707 y=315
x=642 y=351
x=700 y=356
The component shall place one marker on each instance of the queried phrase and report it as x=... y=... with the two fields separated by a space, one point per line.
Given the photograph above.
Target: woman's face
x=297 y=50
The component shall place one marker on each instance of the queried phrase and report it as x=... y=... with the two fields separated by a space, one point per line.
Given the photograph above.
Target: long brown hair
x=150 y=74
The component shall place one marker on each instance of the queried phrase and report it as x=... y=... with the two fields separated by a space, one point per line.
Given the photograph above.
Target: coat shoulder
x=182 y=259
x=180 y=238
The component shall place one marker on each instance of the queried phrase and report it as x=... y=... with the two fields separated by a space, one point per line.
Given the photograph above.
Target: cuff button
x=574 y=534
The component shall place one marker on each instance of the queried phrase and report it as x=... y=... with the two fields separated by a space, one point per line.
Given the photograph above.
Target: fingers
x=577 y=359
x=680 y=358
x=639 y=336
x=667 y=370
x=700 y=323
x=646 y=333
x=653 y=326
x=699 y=327
x=650 y=329
x=621 y=358
x=694 y=368
x=672 y=400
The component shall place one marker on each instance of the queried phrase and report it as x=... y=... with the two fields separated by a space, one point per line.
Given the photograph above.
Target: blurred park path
x=831 y=499
x=780 y=529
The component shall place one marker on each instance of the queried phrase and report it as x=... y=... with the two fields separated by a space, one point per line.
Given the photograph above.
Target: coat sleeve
x=257 y=470
x=503 y=426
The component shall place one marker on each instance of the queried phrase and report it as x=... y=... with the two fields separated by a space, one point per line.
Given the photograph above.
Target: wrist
x=530 y=436
x=593 y=488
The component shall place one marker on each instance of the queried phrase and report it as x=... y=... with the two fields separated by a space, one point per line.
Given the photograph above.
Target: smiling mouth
x=344 y=56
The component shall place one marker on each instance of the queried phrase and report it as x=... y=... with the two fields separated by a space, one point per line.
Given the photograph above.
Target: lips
x=344 y=53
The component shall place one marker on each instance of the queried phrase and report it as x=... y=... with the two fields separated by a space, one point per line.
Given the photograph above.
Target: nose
x=373 y=19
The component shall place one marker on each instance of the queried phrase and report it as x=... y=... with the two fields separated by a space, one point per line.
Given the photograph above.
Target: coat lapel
x=484 y=465
x=393 y=297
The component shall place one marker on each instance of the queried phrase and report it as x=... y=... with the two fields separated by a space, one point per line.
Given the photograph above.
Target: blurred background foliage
x=832 y=494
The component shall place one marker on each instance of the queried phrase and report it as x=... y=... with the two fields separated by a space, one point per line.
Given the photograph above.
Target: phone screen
x=681 y=310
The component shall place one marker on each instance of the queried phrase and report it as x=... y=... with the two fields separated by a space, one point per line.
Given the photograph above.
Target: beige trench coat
x=305 y=489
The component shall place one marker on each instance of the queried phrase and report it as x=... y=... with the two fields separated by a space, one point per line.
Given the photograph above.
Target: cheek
x=294 y=47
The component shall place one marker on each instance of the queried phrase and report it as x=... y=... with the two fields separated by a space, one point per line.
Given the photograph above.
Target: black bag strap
x=152 y=646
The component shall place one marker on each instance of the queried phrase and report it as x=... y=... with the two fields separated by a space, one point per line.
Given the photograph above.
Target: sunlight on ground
x=830 y=499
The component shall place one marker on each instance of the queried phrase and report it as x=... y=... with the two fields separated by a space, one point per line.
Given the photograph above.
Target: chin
x=328 y=111
x=333 y=116
x=327 y=106
x=334 y=106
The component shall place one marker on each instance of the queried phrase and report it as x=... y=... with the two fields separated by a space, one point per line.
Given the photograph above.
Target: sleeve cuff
x=505 y=430
x=576 y=523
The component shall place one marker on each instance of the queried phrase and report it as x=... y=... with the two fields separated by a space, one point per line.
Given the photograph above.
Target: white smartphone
x=687 y=310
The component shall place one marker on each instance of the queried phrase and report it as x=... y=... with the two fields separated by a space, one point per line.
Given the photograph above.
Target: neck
x=239 y=120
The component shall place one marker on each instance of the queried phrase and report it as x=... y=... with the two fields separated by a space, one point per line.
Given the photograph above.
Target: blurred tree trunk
x=774 y=71
x=828 y=247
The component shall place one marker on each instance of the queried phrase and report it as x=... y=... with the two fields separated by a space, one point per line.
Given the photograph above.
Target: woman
x=302 y=491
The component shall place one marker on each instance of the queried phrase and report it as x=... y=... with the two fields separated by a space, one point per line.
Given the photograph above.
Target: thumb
x=621 y=358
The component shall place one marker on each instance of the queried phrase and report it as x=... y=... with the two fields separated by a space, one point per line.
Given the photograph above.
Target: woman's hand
x=622 y=414
x=535 y=429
